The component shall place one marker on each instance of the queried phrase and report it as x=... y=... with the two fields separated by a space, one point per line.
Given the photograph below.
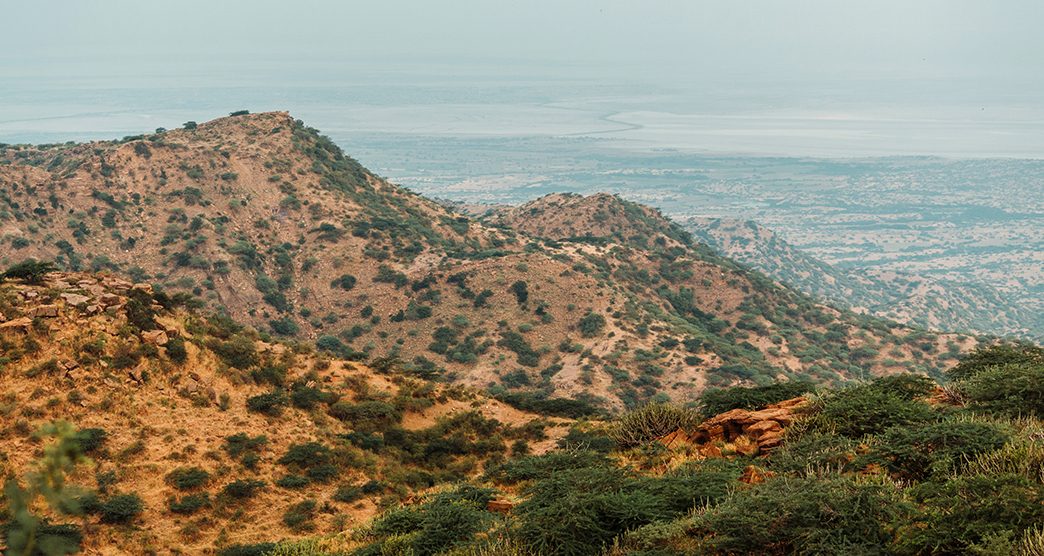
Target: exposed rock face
x=16 y=325
x=750 y=432
x=47 y=311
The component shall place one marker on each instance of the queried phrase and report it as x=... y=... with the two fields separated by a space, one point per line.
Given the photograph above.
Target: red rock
x=761 y=427
x=752 y=475
x=770 y=440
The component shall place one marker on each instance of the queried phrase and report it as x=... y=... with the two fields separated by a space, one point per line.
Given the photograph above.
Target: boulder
x=75 y=299
x=155 y=337
x=761 y=427
x=109 y=299
x=45 y=311
x=769 y=440
x=16 y=325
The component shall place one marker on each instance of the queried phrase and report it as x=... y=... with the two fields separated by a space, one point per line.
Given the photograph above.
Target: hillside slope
x=566 y=297
x=926 y=302
x=218 y=434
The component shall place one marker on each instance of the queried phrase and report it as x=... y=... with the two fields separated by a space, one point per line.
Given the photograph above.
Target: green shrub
x=591 y=324
x=527 y=356
x=1011 y=389
x=243 y=488
x=239 y=352
x=965 y=511
x=30 y=271
x=862 y=410
x=345 y=282
x=985 y=357
x=580 y=511
x=300 y=516
x=241 y=444
x=448 y=520
x=292 y=481
x=917 y=451
x=121 y=508
x=521 y=291
x=530 y=468
x=176 y=350
x=802 y=516
x=306 y=455
x=284 y=326
x=905 y=386
x=815 y=453
x=650 y=422
x=187 y=478
x=719 y=400
x=189 y=504
x=366 y=416
x=270 y=404
x=90 y=440
x=348 y=493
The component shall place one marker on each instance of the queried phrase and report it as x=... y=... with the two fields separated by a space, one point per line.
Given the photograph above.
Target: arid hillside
x=201 y=435
x=566 y=298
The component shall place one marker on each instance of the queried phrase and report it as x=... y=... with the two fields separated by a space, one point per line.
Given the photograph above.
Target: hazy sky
x=807 y=77
x=799 y=39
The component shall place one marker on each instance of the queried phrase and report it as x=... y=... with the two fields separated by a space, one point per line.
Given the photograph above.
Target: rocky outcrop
x=750 y=432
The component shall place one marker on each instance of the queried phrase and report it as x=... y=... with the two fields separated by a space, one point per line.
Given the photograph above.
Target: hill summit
x=568 y=301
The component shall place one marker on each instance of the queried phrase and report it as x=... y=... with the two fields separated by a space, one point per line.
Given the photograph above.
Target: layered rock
x=750 y=432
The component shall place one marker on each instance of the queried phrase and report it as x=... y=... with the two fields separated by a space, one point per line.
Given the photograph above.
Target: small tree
x=591 y=324
x=521 y=291
x=30 y=271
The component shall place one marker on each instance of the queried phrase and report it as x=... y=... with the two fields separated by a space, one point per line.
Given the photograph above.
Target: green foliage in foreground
x=869 y=469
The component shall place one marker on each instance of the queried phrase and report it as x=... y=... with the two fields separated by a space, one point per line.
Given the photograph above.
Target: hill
x=563 y=299
x=908 y=298
x=200 y=434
